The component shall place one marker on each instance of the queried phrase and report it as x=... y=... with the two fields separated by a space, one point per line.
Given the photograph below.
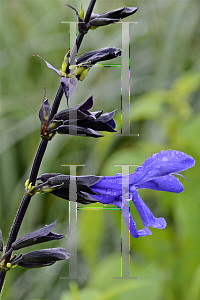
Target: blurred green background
x=164 y=110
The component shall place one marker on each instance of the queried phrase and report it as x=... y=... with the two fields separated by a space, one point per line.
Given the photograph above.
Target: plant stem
x=39 y=156
x=2 y=278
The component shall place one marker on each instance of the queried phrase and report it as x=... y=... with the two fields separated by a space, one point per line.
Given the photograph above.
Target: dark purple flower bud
x=106 y=18
x=36 y=237
x=78 y=120
x=109 y=17
x=59 y=185
x=92 y=57
x=119 y=13
x=44 y=114
x=42 y=258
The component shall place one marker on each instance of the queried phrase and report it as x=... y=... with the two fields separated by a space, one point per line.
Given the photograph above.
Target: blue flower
x=156 y=173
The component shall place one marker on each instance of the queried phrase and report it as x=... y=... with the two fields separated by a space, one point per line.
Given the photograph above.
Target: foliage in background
x=165 y=85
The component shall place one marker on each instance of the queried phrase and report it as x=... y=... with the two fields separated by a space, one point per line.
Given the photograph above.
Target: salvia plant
x=156 y=173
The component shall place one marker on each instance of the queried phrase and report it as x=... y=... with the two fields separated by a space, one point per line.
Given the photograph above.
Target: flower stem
x=39 y=156
x=2 y=278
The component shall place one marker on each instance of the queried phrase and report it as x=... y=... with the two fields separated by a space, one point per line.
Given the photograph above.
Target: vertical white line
x=125 y=78
x=73 y=223
x=125 y=234
x=73 y=97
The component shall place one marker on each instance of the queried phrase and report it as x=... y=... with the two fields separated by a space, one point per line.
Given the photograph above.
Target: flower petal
x=167 y=183
x=124 y=205
x=98 y=125
x=146 y=215
x=128 y=11
x=132 y=225
x=85 y=106
x=49 y=65
x=111 y=185
x=44 y=111
x=69 y=86
x=104 y=199
x=161 y=164
x=74 y=114
x=112 y=123
x=107 y=116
